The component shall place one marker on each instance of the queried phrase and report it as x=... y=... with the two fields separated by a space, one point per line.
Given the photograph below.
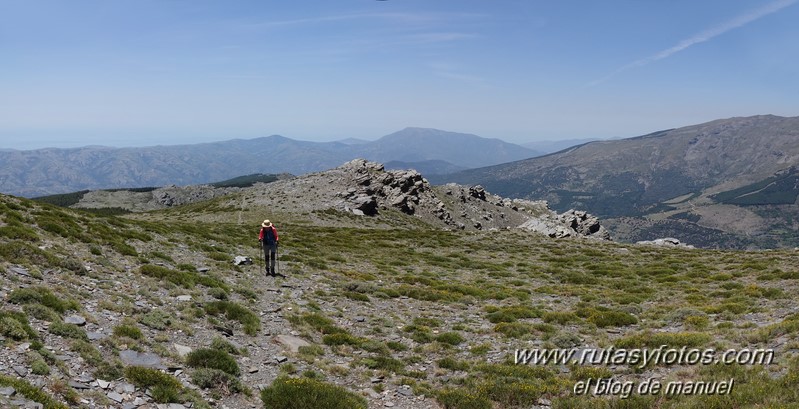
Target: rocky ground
x=400 y=305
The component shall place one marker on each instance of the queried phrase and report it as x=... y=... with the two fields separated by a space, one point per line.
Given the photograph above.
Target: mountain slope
x=51 y=171
x=668 y=171
x=148 y=310
x=466 y=150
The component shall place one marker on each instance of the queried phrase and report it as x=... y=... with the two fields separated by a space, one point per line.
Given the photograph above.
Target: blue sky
x=127 y=73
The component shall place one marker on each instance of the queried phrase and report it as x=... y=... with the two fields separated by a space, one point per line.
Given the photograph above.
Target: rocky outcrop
x=373 y=188
x=568 y=224
x=666 y=242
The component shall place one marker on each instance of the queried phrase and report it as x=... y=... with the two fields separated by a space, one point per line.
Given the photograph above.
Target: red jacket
x=261 y=233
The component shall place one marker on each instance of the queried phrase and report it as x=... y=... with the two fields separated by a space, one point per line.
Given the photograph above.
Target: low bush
x=214 y=359
x=306 y=393
x=165 y=388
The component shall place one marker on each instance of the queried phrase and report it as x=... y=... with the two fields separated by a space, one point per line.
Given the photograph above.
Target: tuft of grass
x=307 y=393
x=450 y=338
x=43 y=296
x=31 y=392
x=67 y=330
x=128 y=330
x=233 y=311
x=214 y=359
x=210 y=378
x=165 y=388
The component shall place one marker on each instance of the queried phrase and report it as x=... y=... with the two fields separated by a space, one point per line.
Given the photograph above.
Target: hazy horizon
x=143 y=73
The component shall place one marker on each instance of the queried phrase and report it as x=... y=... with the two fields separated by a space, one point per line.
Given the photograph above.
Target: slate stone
x=76 y=320
x=147 y=360
x=78 y=385
x=20 y=270
x=8 y=391
x=116 y=397
x=184 y=298
x=280 y=359
x=96 y=336
x=182 y=350
x=291 y=342
x=20 y=370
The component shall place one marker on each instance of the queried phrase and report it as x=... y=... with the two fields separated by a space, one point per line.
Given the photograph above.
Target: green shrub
x=165 y=388
x=450 y=338
x=452 y=364
x=306 y=393
x=511 y=313
x=250 y=322
x=514 y=329
x=611 y=318
x=462 y=399
x=223 y=345
x=156 y=319
x=15 y=326
x=31 y=392
x=43 y=296
x=648 y=339
x=210 y=378
x=67 y=330
x=214 y=359
x=130 y=331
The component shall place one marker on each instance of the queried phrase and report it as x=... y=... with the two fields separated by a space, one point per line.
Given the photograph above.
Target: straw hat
x=266 y=223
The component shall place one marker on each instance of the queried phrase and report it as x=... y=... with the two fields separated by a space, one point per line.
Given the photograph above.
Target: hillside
x=389 y=310
x=54 y=171
x=733 y=176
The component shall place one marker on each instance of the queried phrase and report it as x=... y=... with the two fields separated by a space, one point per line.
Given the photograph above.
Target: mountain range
x=50 y=171
x=733 y=176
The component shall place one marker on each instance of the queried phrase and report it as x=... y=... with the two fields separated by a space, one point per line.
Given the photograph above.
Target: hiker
x=269 y=240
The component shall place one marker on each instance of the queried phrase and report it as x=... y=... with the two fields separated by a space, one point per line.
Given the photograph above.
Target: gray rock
x=242 y=260
x=183 y=298
x=8 y=391
x=147 y=360
x=280 y=359
x=78 y=385
x=291 y=342
x=20 y=370
x=203 y=269
x=182 y=350
x=75 y=319
x=96 y=336
x=116 y=397
x=20 y=270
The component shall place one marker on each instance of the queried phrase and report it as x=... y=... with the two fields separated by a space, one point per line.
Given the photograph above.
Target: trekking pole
x=277 y=257
x=261 y=256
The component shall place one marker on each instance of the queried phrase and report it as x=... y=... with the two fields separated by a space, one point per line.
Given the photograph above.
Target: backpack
x=269 y=235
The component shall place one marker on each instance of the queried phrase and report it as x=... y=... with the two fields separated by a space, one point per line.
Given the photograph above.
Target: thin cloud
x=704 y=36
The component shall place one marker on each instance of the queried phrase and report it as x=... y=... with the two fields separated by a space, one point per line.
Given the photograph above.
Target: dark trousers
x=270 y=251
